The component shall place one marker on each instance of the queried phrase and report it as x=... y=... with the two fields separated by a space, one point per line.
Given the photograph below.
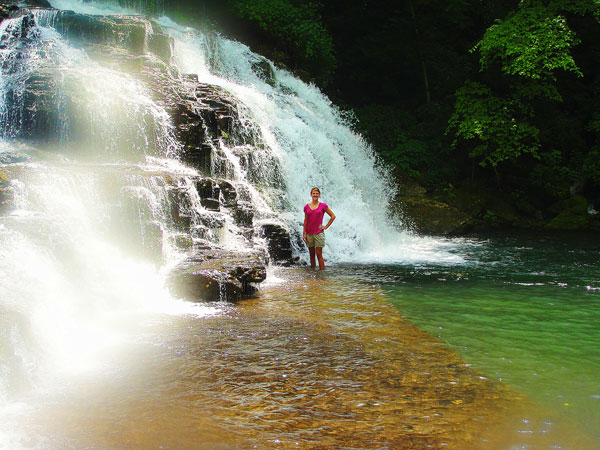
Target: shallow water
x=525 y=312
x=333 y=360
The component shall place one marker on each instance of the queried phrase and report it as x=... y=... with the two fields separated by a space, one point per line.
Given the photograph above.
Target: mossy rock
x=433 y=217
x=526 y=207
x=504 y=211
x=568 y=220
x=470 y=198
x=576 y=205
x=217 y=275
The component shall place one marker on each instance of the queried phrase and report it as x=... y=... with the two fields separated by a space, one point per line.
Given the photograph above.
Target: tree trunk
x=420 y=52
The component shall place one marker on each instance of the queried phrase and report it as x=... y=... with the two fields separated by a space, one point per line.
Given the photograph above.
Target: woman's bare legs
x=311 y=252
x=319 y=252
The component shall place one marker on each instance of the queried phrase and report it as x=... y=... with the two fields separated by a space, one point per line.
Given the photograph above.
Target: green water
x=521 y=309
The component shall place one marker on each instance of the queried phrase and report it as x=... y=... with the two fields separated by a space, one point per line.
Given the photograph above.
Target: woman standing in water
x=313 y=233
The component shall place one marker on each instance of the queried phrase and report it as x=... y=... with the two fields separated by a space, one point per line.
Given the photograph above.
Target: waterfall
x=314 y=146
x=103 y=203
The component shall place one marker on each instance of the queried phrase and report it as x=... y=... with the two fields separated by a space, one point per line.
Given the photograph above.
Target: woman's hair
x=315 y=189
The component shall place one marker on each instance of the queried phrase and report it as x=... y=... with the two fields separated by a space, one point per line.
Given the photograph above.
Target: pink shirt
x=314 y=218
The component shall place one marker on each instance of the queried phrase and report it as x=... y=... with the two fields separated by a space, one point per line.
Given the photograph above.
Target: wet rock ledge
x=218 y=275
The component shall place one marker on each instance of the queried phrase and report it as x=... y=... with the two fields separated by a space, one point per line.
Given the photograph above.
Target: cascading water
x=80 y=195
x=315 y=146
x=94 y=165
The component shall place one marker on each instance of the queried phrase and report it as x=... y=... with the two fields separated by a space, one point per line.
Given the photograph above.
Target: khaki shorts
x=315 y=240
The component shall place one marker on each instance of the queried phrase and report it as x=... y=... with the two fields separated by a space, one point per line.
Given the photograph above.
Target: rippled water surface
x=525 y=311
x=488 y=354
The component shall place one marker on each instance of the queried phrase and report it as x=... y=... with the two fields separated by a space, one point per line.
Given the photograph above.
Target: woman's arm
x=304 y=226
x=331 y=218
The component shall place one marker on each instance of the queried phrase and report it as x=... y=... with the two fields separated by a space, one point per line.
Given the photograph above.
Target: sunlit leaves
x=532 y=43
x=529 y=48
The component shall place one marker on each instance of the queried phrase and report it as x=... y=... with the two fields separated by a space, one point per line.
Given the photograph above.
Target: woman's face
x=315 y=194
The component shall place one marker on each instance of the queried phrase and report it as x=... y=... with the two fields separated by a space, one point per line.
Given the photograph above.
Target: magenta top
x=314 y=218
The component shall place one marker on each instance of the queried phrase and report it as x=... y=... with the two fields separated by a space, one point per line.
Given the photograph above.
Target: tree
x=520 y=58
x=298 y=26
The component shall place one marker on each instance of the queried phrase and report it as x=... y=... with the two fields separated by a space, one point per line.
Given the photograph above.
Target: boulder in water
x=218 y=275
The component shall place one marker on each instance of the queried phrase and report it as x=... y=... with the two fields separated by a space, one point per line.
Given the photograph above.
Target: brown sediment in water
x=311 y=363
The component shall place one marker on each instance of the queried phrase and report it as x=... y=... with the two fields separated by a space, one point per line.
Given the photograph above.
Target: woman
x=313 y=227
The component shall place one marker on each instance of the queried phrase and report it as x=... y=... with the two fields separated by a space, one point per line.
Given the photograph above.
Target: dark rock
x=211 y=204
x=229 y=193
x=212 y=221
x=13 y=157
x=6 y=10
x=208 y=188
x=27 y=24
x=199 y=156
x=572 y=214
x=278 y=244
x=567 y=220
x=182 y=241
x=180 y=207
x=263 y=69
x=160 y=44
x=576 y=204
x=217 y=109
x=126 y=32
x=420 y=212
x=40 y=119
x=217 y=275
x=244 y=214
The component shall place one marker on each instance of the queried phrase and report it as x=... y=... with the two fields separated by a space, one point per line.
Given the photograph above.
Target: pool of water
x=525 y=310
x=498 y=352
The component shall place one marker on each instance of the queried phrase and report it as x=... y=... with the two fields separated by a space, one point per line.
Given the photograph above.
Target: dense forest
x=486 y=110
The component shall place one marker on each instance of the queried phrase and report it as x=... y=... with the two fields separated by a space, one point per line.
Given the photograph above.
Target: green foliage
x=499 y=127
x=406 y=142
x=580 y=7
x=521 y=57
x=591 y=166
x=551 y=175
x=532 y=43
x=298 y=25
